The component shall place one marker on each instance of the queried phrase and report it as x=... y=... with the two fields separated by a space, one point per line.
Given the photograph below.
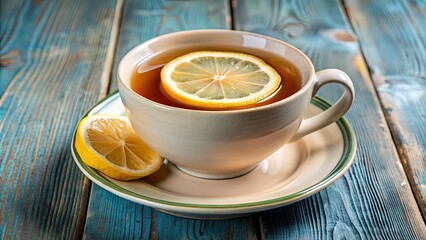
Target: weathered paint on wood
x=170 y=227
x=111 y=217
x=55 y=62
x=374 y=198
x=392 y=38
x=11 y=59
x=52 y=58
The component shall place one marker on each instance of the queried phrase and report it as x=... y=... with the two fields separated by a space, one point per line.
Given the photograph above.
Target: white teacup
x=229 y=143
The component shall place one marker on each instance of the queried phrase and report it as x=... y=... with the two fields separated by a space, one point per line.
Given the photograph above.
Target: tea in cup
x=226 y=142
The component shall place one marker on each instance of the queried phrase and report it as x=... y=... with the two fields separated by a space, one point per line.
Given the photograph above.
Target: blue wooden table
x=58 y=58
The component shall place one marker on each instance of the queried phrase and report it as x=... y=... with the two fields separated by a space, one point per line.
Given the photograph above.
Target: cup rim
x=295 y=95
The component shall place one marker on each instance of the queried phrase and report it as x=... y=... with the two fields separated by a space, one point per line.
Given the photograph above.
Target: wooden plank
x=10 y=59
x=416 y=10
x=373 y=199
x=127 y=219
x=395 y=31
x=52 y=58
x=111 y=217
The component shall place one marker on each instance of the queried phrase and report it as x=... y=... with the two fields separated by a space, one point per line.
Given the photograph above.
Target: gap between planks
x=105 y=82
x=400 y=152
x=112 y=46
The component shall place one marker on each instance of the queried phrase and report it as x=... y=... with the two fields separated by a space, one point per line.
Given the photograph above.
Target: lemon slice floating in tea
x=218 y=80
x=109 y=144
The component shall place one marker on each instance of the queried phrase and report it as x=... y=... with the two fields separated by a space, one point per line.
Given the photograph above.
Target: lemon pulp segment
x=109 y=144
x=213 y=79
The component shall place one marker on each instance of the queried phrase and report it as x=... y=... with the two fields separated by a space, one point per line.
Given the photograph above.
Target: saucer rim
x=344 y=163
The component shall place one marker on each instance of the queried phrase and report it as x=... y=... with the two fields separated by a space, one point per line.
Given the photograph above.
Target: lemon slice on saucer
x=218 y=80
x=109 y=144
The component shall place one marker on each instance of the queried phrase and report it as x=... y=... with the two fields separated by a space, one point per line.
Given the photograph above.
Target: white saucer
x=294 y=172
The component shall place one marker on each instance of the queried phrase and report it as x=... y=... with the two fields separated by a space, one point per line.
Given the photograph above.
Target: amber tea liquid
x=146 y=76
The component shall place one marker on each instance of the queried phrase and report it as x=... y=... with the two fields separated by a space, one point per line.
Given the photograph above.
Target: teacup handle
x=337 y=110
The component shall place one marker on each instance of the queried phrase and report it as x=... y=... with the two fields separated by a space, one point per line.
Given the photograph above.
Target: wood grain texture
x=373 y=199
x=111 y=217
x=392 y=38
x=57 y=59
x=170 y=227
x=10 y=57
x=52 y=58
